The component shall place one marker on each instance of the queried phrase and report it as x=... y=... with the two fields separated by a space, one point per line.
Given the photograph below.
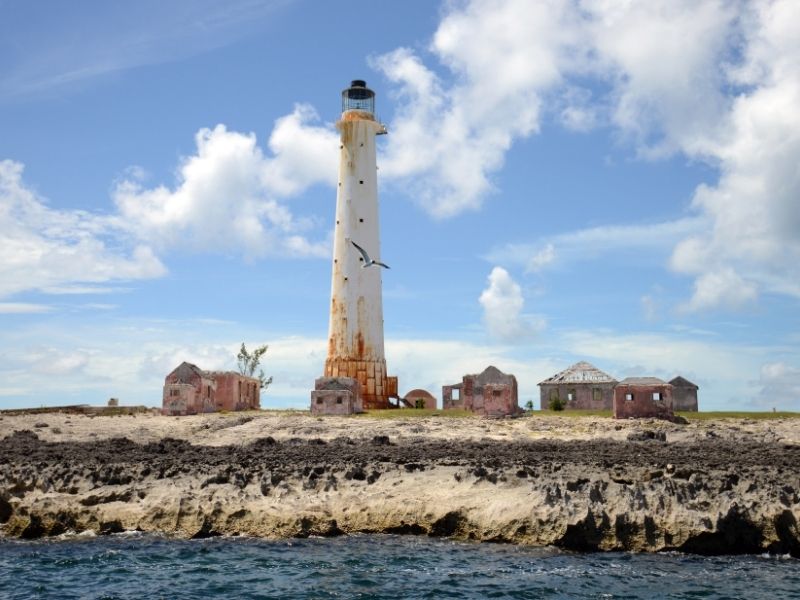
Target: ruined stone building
x=684 y=394
x=189 y=390
x=491 y=393
x=419 y=398
x=336 y=396
x=642 y=397
x=582 y=387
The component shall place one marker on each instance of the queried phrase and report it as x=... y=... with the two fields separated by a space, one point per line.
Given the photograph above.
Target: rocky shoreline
x=657 y=489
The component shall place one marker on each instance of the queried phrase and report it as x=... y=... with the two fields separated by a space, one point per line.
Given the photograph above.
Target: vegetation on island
x=248 y=362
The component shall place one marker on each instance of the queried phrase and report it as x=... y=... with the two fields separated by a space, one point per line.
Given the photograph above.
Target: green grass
x=570 y=413
x=414 y=413
x=691 y=416
x=758 y=416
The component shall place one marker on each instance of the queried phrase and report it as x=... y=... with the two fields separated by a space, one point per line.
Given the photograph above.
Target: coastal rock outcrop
x=707 y=496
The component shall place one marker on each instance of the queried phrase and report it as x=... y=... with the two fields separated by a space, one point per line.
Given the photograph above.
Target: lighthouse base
x=376 y=387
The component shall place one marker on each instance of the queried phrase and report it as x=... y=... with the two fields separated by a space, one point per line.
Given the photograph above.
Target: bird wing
x=385 y=266
x=363 y=252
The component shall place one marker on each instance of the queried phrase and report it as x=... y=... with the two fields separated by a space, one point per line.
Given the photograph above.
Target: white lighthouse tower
x=355 y=340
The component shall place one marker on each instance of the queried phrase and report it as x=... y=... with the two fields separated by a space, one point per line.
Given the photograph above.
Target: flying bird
x=368 y=262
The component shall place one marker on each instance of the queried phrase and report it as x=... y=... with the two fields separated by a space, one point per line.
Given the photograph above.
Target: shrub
x=556 y=404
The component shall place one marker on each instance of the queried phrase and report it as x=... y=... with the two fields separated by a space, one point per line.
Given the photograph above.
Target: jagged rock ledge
x=710 y=496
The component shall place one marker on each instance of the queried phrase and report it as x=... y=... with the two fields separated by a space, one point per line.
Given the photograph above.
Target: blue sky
x=562 y=181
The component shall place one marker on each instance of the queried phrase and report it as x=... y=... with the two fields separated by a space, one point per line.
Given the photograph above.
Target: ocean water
x=145 y=566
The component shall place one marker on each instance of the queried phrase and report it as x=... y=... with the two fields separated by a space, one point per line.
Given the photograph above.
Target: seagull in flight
x=368 y=262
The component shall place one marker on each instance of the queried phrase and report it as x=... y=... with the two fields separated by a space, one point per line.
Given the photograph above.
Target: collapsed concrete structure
x=336 y=396
x=581 y=387
x=684 y=394
x=189 y=390
x=643 y=397
x=491 y=393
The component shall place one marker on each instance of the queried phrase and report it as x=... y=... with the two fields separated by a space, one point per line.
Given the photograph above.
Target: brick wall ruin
x=645 y=397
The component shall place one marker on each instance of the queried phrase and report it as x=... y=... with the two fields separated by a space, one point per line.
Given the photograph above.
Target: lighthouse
x=355 y=336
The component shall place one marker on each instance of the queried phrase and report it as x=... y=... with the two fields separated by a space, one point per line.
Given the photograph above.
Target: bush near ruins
x=248 y=363
x=556 y=404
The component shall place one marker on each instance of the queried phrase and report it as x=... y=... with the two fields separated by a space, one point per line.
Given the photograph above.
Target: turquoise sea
x=145 y=566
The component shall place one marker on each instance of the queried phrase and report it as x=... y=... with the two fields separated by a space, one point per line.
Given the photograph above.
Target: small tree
x=529 y=405
x=556 y=404
x=248 y=362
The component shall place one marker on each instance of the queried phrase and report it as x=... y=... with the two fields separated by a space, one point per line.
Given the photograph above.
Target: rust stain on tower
x=355 y=339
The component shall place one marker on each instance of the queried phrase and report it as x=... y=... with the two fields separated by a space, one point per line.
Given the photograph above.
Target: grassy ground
x=411 y=413
x=704 y=416
x=570 y=413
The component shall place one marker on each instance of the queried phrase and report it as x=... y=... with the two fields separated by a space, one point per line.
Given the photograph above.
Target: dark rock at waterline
x=596 y=494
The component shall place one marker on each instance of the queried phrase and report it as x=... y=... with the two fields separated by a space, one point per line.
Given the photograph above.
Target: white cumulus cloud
x=450 y=134
x=230 y=197
x=41 y=247
x=502 y=303
x=780 y=386
x=712 y=80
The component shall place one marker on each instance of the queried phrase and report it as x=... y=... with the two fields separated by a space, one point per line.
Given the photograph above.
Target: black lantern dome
x=358 y=97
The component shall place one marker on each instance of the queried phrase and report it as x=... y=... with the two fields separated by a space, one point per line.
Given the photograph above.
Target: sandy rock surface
x=582 y=483
x=242 y=428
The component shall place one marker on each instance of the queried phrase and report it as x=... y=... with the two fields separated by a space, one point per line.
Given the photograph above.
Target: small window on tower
x=345 y=278
x=361 y=181
x=361 y=220
x=628 y=397
x=338 y=399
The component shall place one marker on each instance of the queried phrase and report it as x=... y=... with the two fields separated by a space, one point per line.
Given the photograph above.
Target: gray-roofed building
x=684 y=394
x=582 y=387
